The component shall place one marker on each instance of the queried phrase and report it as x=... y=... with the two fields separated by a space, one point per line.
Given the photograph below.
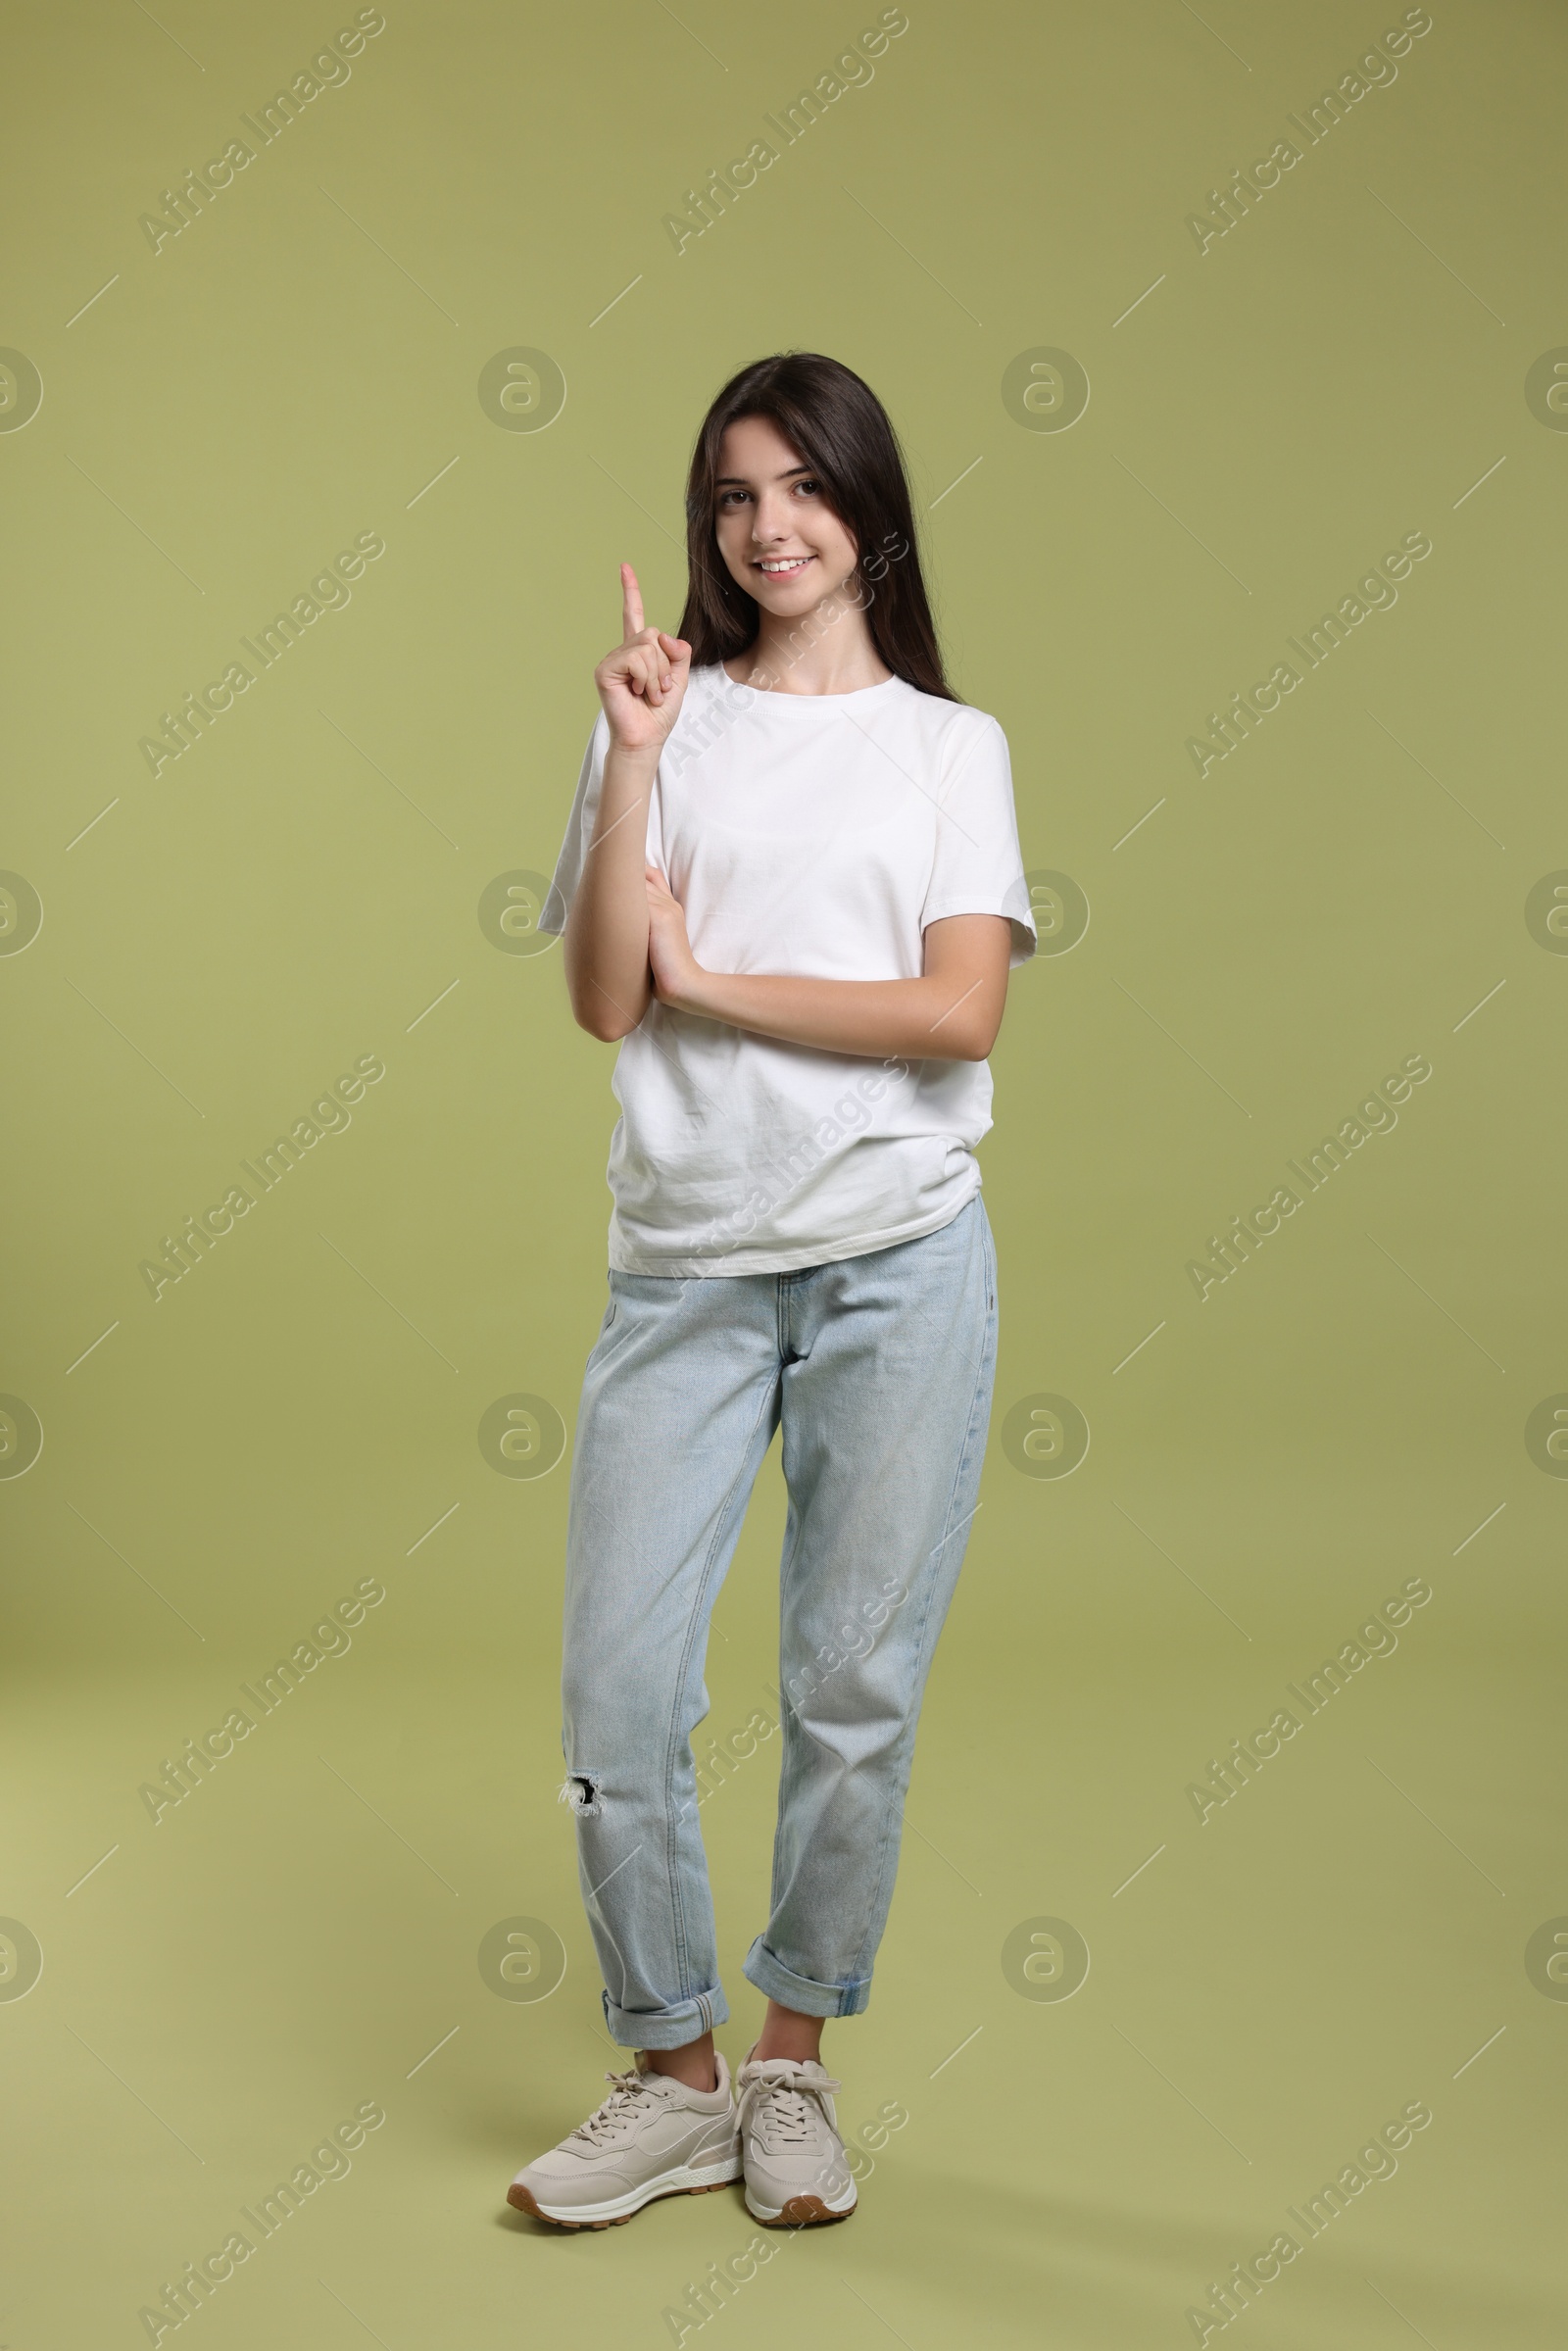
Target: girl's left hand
x=669 y=951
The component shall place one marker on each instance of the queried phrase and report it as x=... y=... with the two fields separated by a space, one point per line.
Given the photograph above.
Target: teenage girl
x=791 y=888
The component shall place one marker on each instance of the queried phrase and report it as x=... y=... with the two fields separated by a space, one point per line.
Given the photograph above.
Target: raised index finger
x=631 y=603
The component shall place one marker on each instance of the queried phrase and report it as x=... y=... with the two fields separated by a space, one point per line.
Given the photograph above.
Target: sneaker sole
x=802 y=2212
x=616 y=2213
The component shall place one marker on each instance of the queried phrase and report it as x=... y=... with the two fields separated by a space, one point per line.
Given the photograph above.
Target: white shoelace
x=791 y=2100
x=627 y=2093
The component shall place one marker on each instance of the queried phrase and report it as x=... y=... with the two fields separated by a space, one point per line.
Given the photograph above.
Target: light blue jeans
x=880 y=1369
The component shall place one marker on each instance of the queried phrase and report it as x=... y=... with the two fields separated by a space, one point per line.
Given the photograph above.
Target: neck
x=826 y=650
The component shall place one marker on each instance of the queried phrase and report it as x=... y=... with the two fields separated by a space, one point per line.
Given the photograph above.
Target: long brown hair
x=843 y=433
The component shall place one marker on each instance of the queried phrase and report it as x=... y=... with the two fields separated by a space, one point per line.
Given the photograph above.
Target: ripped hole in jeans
x=580 y=1790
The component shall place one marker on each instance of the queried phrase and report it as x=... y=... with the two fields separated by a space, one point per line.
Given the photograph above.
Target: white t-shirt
x=809 y=834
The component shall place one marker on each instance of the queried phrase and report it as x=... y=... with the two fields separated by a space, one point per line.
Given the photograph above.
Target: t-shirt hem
x=729 y=1263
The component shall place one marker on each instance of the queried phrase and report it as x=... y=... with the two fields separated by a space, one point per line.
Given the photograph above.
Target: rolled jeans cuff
x=666 y=2028
x=779 y=1982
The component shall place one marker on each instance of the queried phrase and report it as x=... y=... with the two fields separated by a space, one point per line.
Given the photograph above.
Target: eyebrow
x=723 y=481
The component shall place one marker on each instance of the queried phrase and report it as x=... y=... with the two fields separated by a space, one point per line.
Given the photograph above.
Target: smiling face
x=777 y=536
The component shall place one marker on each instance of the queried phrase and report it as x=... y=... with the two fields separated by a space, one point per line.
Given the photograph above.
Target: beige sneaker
x=795 y=2169
x=652 y=2136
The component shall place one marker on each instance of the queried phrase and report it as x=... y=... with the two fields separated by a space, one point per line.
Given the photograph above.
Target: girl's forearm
x=925 y=1019
x=607 y=932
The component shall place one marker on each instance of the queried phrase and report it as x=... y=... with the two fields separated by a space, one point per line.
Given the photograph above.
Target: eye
x=812 y=488
x=726 y=497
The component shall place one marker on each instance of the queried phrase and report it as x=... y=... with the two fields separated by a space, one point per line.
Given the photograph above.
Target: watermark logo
x=1230 y=1250
x=21 y=1436
x=521 y=1959
x=1044 y=1959
x=1546 y=912
x=263 y=2219
x=1546 y=1436
x=510 y=909
x=1376 y=592
x=182 y=730
x=20 y=1959
x=328 y=70
x=1378 y=2160
x=521 y=389
x=1375 y=71
x=20 y=914
x=20 y=390
x=196 y=1761
x=1379 y=1636
x=1545 y=388
x=328 y=1114
x=1547 y=1959
x=522 y=1436
x=1060 y=909
x=1045 y=1436
x=1045 y=389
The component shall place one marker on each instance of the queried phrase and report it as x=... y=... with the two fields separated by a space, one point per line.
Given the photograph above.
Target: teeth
x=790 y=562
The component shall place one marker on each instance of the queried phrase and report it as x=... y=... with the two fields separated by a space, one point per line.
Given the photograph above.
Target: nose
x=771 y=521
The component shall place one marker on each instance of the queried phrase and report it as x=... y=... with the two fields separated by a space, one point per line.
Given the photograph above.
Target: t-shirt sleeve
x=978 y=866
x=580 y=825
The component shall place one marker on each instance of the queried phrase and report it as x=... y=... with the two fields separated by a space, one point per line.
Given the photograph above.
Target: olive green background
x=1267 y=419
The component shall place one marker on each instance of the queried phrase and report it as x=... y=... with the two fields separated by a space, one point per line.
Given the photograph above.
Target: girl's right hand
x=643 y=682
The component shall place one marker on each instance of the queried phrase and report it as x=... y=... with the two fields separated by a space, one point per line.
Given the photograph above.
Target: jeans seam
x=922 y=1655
x=673 y=1822
x=788 y=1713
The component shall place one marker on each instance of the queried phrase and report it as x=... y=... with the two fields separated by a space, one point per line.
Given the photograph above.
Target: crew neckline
x=765 y=695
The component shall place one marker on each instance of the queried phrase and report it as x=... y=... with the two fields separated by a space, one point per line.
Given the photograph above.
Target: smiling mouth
x=782 y=567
